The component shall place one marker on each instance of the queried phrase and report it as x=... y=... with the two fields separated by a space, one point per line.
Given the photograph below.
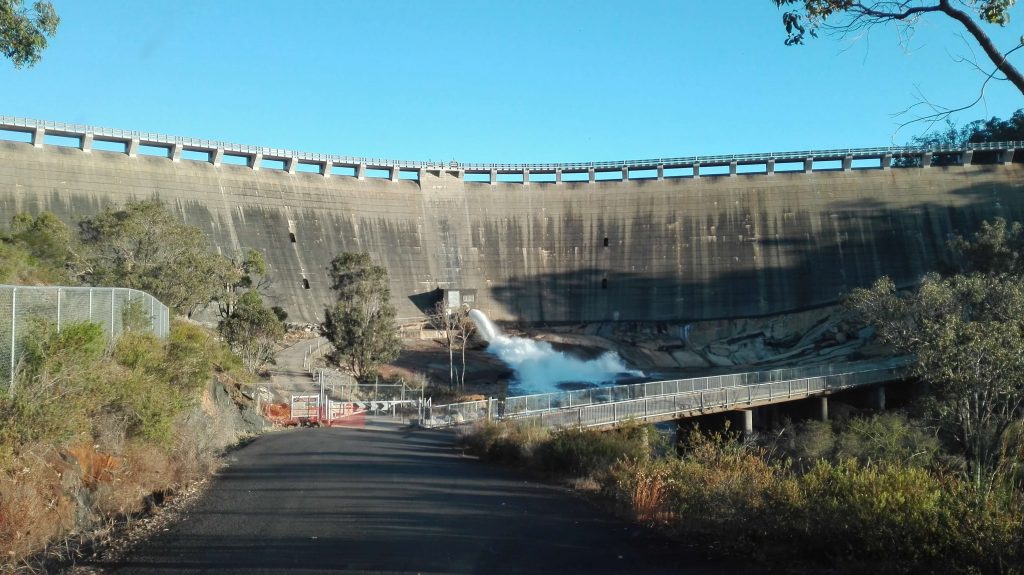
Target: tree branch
x=997 y=58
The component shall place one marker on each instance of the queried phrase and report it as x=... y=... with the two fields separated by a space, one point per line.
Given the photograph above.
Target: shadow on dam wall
x=864 y=241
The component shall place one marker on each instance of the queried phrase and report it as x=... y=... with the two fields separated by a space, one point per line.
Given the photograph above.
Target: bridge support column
x=361 y=171
x=526 y=177
x=926 y=160
x=176 y=153
x=967 y=158
x=85 y=143
x=822 y=408
x=132 y=147
x=396 y=173
x=878 y=397
x=255 y=160
x=291 y=164
x=696 y=170
x=661 y=172
x=494 y=176
x=847 y=163
x=625 y=173
x=808 y=164
x=325 y=169
x=769 y=167
x=592 y=175
x=558 y=175
x=38 y=135
x=886 y=161
x=1006 y=156
x=732 y=169
x=216 y=157
x=745 y=421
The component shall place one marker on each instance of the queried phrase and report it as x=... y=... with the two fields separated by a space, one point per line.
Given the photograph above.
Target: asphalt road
x=389 y=500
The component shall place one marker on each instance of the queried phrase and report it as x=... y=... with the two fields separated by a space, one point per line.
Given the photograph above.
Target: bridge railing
x=576 y=398
x=589 y=404
x=115 y=309
x=690 y=403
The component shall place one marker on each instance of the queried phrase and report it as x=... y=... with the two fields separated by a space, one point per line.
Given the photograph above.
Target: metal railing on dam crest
x=254 y=155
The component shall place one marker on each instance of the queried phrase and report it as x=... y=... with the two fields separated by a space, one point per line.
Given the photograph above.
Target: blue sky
x=492 y=81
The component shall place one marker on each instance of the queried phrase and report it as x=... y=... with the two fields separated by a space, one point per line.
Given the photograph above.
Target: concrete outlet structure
x=652 y=240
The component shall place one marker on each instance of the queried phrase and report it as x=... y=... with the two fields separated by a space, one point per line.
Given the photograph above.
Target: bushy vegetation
x=91 y=427
x=870 y=495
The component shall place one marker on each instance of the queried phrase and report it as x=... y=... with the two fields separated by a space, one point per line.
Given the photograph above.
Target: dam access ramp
x=666 y=400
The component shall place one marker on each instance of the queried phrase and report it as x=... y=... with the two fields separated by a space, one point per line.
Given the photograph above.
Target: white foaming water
x=539 y=368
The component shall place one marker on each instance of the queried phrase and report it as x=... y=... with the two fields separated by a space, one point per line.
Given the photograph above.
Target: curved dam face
x=687 y=248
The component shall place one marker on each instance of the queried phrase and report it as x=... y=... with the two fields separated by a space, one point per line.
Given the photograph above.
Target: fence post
x=14 y=333
x=58 y=309
x=113 y=291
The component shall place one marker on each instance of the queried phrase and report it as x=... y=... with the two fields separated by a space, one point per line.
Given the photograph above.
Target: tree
x=850 y=17
x=361 y=324
x=996 y=249
x=965 y=331
x=23 y=31
x=250 y=273
x=455 y=329
x=36 y=251
x=252 y=330
x=463 y=335
x=144 y=246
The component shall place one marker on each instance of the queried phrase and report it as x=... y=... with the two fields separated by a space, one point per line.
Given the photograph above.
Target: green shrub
x=59 y=385
x=588 y=453
x=890 y=438
x=509 y=442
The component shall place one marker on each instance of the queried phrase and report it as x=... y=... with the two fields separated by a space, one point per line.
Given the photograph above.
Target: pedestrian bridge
x=673 y=399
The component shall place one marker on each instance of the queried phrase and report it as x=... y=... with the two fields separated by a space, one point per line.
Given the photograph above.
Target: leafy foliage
x=143 y=246
x=361 y=324
x=253 y=330
x=850 y=18
x=24 y=31
x=966 y=333
x=250 y=273
x=36 y=251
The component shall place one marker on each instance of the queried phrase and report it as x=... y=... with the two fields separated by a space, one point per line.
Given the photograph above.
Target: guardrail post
x=580 y=417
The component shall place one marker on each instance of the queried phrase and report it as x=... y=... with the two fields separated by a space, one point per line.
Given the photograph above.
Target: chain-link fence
x=116 y=309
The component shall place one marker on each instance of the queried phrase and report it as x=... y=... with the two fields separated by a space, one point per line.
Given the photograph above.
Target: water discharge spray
x=540 y=368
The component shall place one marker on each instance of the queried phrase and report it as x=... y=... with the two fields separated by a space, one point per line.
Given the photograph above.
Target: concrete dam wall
x=659 y=248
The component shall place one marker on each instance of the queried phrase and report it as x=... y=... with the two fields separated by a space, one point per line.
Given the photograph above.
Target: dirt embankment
x=72 y=500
